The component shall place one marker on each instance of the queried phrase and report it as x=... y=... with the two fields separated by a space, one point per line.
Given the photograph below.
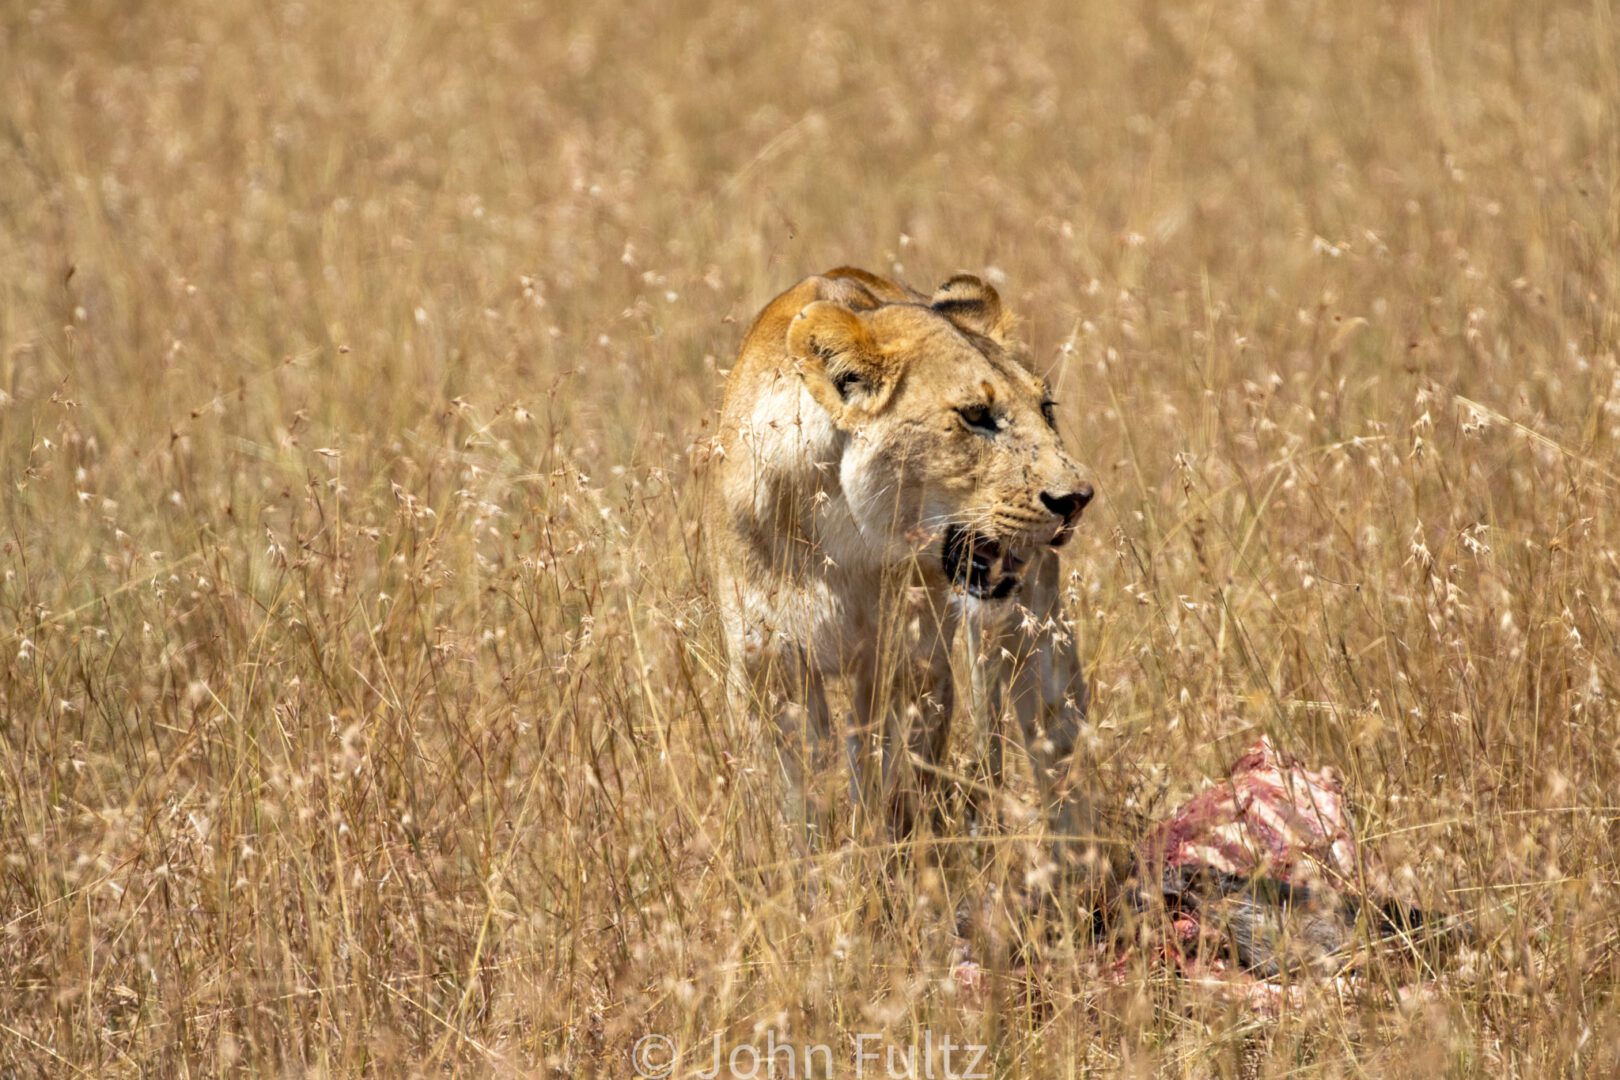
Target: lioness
x=888 y=464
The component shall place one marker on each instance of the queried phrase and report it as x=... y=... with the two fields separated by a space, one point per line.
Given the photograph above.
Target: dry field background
x=358 y=703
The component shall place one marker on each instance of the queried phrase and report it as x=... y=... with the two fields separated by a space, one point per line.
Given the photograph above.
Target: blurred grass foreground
x=359 y=707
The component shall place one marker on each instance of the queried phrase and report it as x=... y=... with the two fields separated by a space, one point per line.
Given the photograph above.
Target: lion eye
x=1049 y=412
x=978 y=417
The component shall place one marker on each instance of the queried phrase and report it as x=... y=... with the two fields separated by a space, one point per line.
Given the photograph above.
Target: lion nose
x=1068 y=506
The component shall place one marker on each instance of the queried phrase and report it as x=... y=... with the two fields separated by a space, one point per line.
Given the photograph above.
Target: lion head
x=951 y=441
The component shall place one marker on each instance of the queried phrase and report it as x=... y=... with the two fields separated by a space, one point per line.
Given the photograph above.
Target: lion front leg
x=1028 y=662
x=987 y=701
x=1049 y=698
x=909 y=699
x=779 y=684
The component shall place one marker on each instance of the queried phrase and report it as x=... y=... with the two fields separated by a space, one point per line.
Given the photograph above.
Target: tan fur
x=843 y=460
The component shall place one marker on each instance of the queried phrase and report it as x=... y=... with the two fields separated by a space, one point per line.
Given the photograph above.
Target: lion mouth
x=985 y=568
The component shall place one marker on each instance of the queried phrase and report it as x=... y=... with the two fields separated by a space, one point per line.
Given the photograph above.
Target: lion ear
x=838 y=360
x=972 y=305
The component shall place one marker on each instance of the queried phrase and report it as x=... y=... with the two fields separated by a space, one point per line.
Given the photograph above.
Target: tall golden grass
x=359 y=706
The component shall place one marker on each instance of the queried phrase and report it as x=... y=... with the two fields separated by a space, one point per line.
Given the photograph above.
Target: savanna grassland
x=360 y=705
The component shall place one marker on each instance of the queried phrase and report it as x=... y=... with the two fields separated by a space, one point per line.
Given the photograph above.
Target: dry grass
x=359 y=706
